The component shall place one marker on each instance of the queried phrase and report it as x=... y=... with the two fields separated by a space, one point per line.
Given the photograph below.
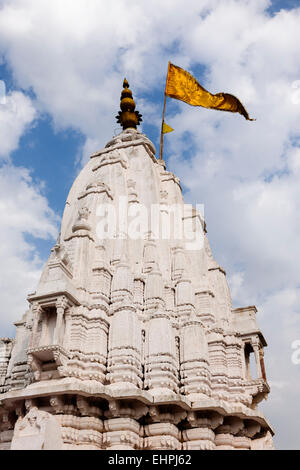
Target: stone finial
x=128 y=117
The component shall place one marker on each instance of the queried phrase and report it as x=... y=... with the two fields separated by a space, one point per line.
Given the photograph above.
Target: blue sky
x=63 y=65
x=277 y=5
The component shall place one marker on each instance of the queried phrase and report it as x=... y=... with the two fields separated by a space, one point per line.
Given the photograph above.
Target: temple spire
x=128 y=117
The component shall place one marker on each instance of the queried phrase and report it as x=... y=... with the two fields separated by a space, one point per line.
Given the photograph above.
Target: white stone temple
x=130 y=340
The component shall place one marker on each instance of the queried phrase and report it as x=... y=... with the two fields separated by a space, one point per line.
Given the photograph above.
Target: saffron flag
x=182 y=86
x=166 y=128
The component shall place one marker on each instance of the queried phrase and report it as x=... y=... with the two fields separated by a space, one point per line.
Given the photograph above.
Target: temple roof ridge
x=125 y=139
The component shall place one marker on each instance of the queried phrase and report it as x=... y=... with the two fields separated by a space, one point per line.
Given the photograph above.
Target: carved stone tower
x=130 y=341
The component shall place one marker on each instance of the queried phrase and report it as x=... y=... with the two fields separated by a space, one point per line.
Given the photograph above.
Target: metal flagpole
x=162 y=123
x=162 y=133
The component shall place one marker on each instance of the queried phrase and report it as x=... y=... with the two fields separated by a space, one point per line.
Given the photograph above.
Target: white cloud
x=279 y=320
x=74 y=55
x=16 y=114
x=24 y=212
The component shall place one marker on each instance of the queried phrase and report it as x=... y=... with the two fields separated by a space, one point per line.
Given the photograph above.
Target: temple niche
x=132 y=342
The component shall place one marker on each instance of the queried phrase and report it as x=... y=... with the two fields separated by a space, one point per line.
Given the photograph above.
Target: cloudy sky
x=63 y=62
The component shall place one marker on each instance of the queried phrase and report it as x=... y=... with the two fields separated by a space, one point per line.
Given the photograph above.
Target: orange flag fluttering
x=182 y=86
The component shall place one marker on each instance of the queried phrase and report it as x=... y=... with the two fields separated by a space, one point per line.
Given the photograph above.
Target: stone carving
x=132 y=193
x=59 y=253
x=195 y=373
x=263 y=443
x=38 y=430
x=163 y=195
x=6 y=345
x=96 y=187
x=161 y=377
